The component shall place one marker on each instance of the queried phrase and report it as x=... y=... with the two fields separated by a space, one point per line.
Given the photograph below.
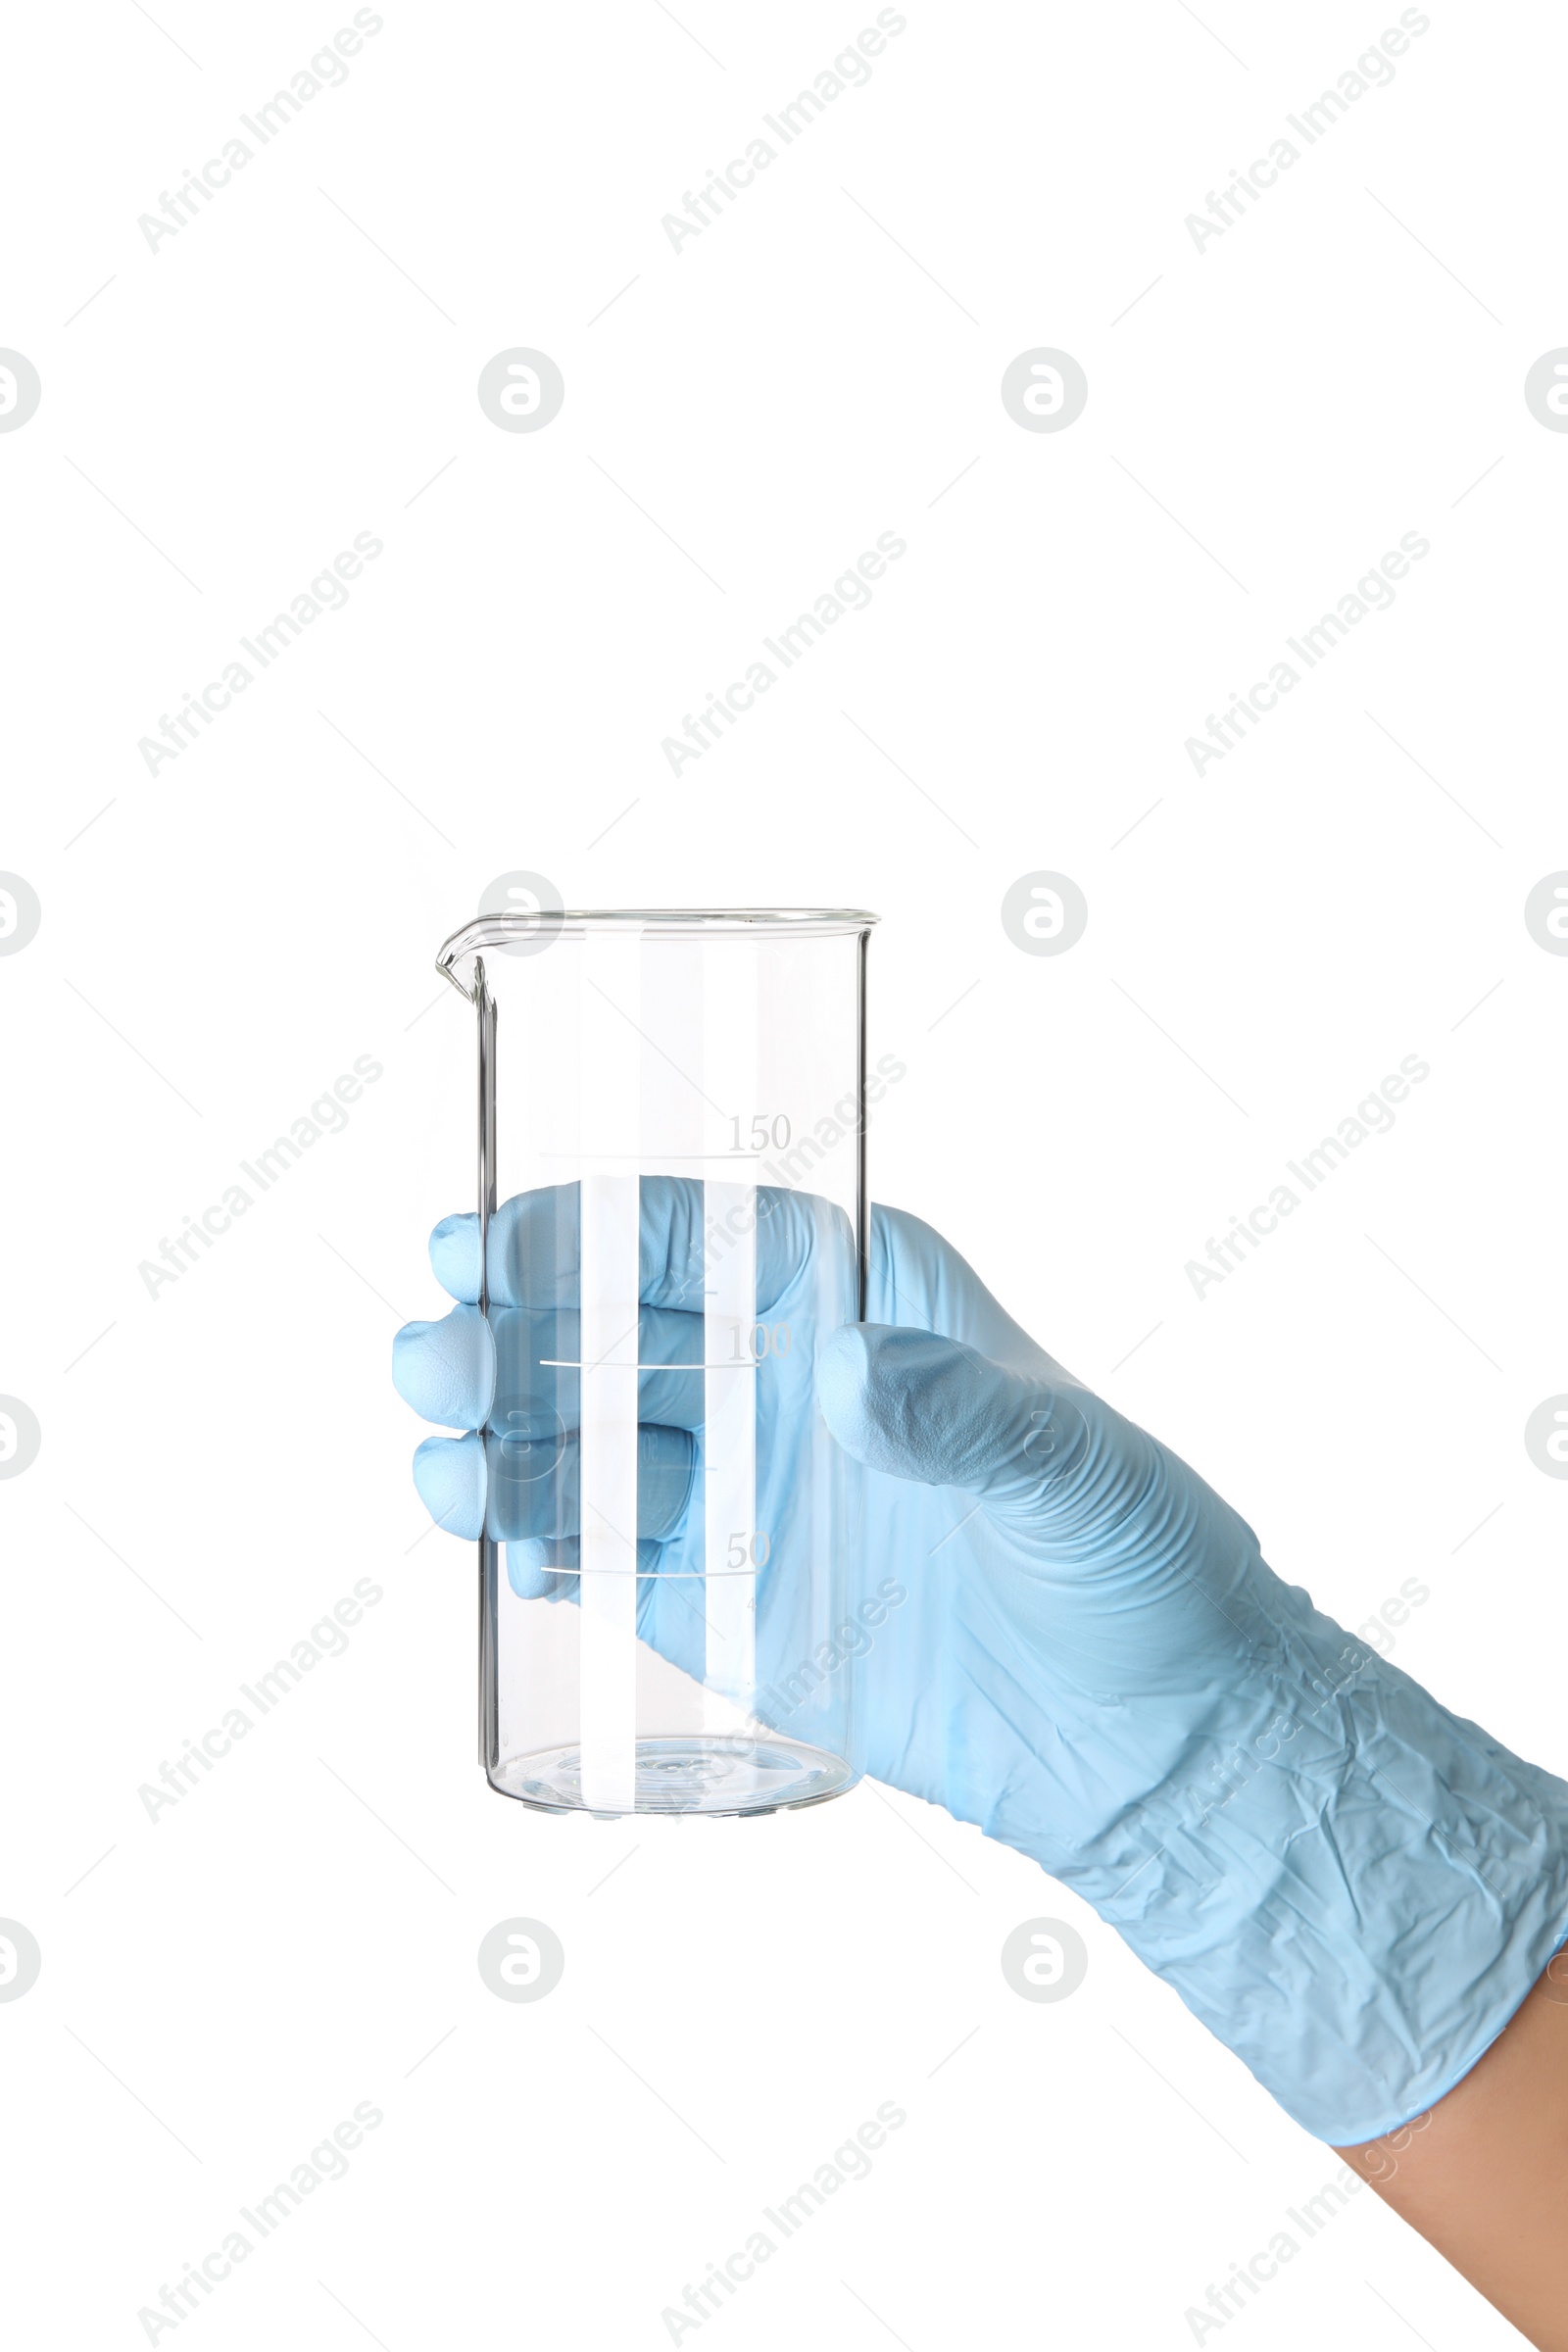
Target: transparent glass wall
x=672 y=1181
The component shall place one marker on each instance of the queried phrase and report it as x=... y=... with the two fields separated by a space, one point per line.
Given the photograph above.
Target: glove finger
x=518 y=1369
x=533 y=1488
x=927 y=1408
x=517 y=1490
x=449 y=1475
x=541 y=1568
x=538 y=1566
x=538 y=1387
x=535 y=1255
x=447 y=1370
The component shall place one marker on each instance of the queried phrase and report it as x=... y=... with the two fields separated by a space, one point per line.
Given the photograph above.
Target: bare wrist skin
x=1483 y=2175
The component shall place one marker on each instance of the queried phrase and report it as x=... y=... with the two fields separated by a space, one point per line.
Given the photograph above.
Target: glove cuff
x=1356 y=1895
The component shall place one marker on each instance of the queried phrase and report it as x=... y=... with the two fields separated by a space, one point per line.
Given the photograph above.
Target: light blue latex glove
x=1351 y=1887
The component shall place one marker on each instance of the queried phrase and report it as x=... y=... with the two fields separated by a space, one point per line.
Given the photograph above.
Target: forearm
x=1484 y=2175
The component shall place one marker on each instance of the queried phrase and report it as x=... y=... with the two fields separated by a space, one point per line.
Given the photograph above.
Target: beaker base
x=719 y=1776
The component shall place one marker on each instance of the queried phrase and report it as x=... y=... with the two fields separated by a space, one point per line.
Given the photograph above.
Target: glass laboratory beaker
x=672 y=1195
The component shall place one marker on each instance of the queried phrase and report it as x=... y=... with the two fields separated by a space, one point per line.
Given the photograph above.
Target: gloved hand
x=1351 y=1887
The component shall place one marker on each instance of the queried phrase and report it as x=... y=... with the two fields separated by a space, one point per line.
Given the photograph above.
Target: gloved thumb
x=921 y=1406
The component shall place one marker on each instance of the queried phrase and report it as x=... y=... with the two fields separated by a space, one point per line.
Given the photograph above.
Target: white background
x=299 y=364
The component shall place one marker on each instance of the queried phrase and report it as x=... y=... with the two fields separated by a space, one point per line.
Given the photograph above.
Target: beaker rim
x=800 y=923
x=737 y=918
